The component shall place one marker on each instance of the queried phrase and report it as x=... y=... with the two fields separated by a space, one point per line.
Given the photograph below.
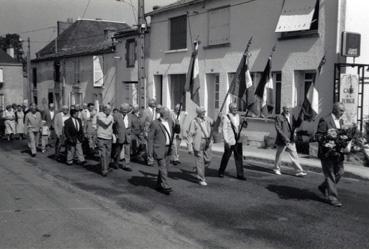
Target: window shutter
x=1 y=75
x=178 y=32
x=218 y=27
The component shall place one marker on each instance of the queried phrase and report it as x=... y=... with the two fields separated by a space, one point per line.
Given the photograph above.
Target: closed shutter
x=98 y=74
x=296 y=15
x=1 y=75
x=218 y=26
x=178 y=32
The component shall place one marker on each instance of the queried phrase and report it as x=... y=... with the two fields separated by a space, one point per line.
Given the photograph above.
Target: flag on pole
x=310 y=106
x=192 y=78
x=265 y=83
x=242 y=80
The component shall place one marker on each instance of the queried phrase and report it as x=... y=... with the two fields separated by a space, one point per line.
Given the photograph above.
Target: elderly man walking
x=104 y=122
x=74 y=137
x=33 y=125
x=160 y=135
x=136 y=133
x=59 y=120
x=199 y=144
x=149 y=115
x=285 y=126
x=122 y=130
x=332 y=163
x=232 y=125
x=178 y=137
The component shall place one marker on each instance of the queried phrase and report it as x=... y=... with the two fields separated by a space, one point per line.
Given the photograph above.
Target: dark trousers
x=237 y=150
x=333 y=172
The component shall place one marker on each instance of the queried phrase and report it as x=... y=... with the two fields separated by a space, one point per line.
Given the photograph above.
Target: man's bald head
x=152 y=102
x=125 y=108
x=338 y=109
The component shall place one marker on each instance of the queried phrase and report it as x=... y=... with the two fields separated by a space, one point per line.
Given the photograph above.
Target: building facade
x=79 y=66
x=303 y=32
x=11 y=81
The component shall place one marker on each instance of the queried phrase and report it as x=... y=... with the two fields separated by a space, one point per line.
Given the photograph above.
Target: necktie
x=76 y=124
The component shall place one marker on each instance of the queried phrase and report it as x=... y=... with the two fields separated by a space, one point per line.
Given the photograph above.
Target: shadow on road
x=288 y=193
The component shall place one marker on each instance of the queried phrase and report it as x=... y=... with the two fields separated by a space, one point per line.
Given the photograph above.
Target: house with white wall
x=303 y=31
x=79 y=66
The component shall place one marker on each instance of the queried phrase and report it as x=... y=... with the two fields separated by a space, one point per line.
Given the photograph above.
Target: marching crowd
x=153 y=135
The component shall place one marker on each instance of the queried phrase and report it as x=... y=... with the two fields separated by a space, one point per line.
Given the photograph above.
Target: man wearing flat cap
x=199 y=144
x=122 y=130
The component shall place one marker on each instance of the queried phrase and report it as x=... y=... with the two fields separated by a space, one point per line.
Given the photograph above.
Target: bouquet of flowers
x=337 y=141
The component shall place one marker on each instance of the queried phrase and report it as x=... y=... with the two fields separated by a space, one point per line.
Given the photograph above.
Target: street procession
x=119 y=133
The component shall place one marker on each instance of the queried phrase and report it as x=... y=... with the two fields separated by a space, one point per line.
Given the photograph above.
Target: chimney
x=61 y=26
x=109 y=33
x=10 y=51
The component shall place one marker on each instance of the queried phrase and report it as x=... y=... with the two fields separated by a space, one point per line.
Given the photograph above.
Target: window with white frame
x=1 y=75
x=178 y=32
x=218 y=26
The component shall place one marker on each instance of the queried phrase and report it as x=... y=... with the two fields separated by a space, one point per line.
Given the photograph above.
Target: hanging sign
x=349 y=96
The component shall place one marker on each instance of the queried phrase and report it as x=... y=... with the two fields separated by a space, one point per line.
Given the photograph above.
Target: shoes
x=203 y=183
x=176 y=162
x=322 y=190
x=33 y=154
x=277 y=172
x=242 y=178
x=301 y=174
x=43 y=151
x=127 y=168
x=69 y=164
x=335 y=203
x=82 y=163
x=221 y=175
x=164 y=190
x=104 y=174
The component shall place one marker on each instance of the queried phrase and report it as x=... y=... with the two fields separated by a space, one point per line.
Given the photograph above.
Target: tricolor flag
x=242 y=80
x=266 y=82
x=310 y=106
x=192 y=79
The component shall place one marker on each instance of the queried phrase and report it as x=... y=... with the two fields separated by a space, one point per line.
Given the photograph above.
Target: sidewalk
x=261 y=155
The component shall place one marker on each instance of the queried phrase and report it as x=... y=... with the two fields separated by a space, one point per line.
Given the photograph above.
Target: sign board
x=349 y=96
x=350 y=45
x=98 y=76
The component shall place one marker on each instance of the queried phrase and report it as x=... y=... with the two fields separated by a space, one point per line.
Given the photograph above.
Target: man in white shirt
x=149 y=115
x=232 y=125
x=104 y=123
x=178 y=137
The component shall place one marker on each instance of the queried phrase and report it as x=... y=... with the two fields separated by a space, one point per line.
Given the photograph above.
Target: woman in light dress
x=9 y=117
x=20 y=122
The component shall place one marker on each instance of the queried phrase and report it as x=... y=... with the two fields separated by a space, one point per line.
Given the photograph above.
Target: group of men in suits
x=332 y=166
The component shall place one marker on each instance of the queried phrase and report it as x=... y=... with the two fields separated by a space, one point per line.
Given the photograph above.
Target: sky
x=40 y=16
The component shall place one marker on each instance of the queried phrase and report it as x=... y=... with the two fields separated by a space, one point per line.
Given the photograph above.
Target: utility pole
x=141 y=55
x=30 y=86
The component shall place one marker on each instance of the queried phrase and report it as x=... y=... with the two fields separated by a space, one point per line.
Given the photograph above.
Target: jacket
x=195 y=134
x=157 y=138
x=122 y=133
x=227 y=130
x=72 y=135
x=33 y=121
x=59 y=123
x=286 y=130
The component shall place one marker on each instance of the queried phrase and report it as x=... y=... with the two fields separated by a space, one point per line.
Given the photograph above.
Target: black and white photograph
x=184 y=124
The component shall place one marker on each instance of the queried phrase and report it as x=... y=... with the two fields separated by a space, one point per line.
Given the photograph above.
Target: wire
x=36 y=30
x=84 y=12
x=206 y=11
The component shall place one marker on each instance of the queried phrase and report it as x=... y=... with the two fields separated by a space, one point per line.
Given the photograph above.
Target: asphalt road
x=74 y=207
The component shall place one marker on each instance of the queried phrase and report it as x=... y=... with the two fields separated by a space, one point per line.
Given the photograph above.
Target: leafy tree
x=14 y=41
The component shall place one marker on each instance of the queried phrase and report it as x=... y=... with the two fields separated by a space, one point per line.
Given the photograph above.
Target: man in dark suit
x=148 y=115
x=137 y=133
x=159 y=142
x=73 y=132
x=122 y=130
x=332 y=165
x=285 y=126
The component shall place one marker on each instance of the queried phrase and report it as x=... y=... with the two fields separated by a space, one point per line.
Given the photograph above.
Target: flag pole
x=217 y=122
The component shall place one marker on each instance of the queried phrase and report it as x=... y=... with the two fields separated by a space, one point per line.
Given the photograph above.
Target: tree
x=14 y=41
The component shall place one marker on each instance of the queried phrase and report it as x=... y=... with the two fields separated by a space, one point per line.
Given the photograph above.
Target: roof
x=82 y=37
x=5 y=58
x=175 y=5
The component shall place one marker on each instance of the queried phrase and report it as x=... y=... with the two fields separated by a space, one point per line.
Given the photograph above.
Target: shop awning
x=296 y=15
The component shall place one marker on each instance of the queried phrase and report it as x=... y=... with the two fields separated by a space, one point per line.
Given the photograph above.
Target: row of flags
x=242 y=83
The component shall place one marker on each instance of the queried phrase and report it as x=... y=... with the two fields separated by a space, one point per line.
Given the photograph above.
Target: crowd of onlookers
x=12 y=121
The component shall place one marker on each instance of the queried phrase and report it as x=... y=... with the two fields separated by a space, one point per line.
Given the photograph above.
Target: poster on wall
x=349 y=96
x=98 y=76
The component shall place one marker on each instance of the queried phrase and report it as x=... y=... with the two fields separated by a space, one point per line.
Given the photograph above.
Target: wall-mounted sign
x=98 y=76
x=350 y=46
x=349 y=96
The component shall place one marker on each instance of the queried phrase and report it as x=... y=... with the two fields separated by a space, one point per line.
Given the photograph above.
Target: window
x=98 y=74
x=158 y=81
x=1 y=75
x=278 y=91
x=2 y=102
x=57 y=71
x=218 y=26
x=178 y=32
x=217 y=87
x=298 y=17
x=308 y=80
x=50 y=97
x=34 y=77
x=177 y=83
x=130 y=52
